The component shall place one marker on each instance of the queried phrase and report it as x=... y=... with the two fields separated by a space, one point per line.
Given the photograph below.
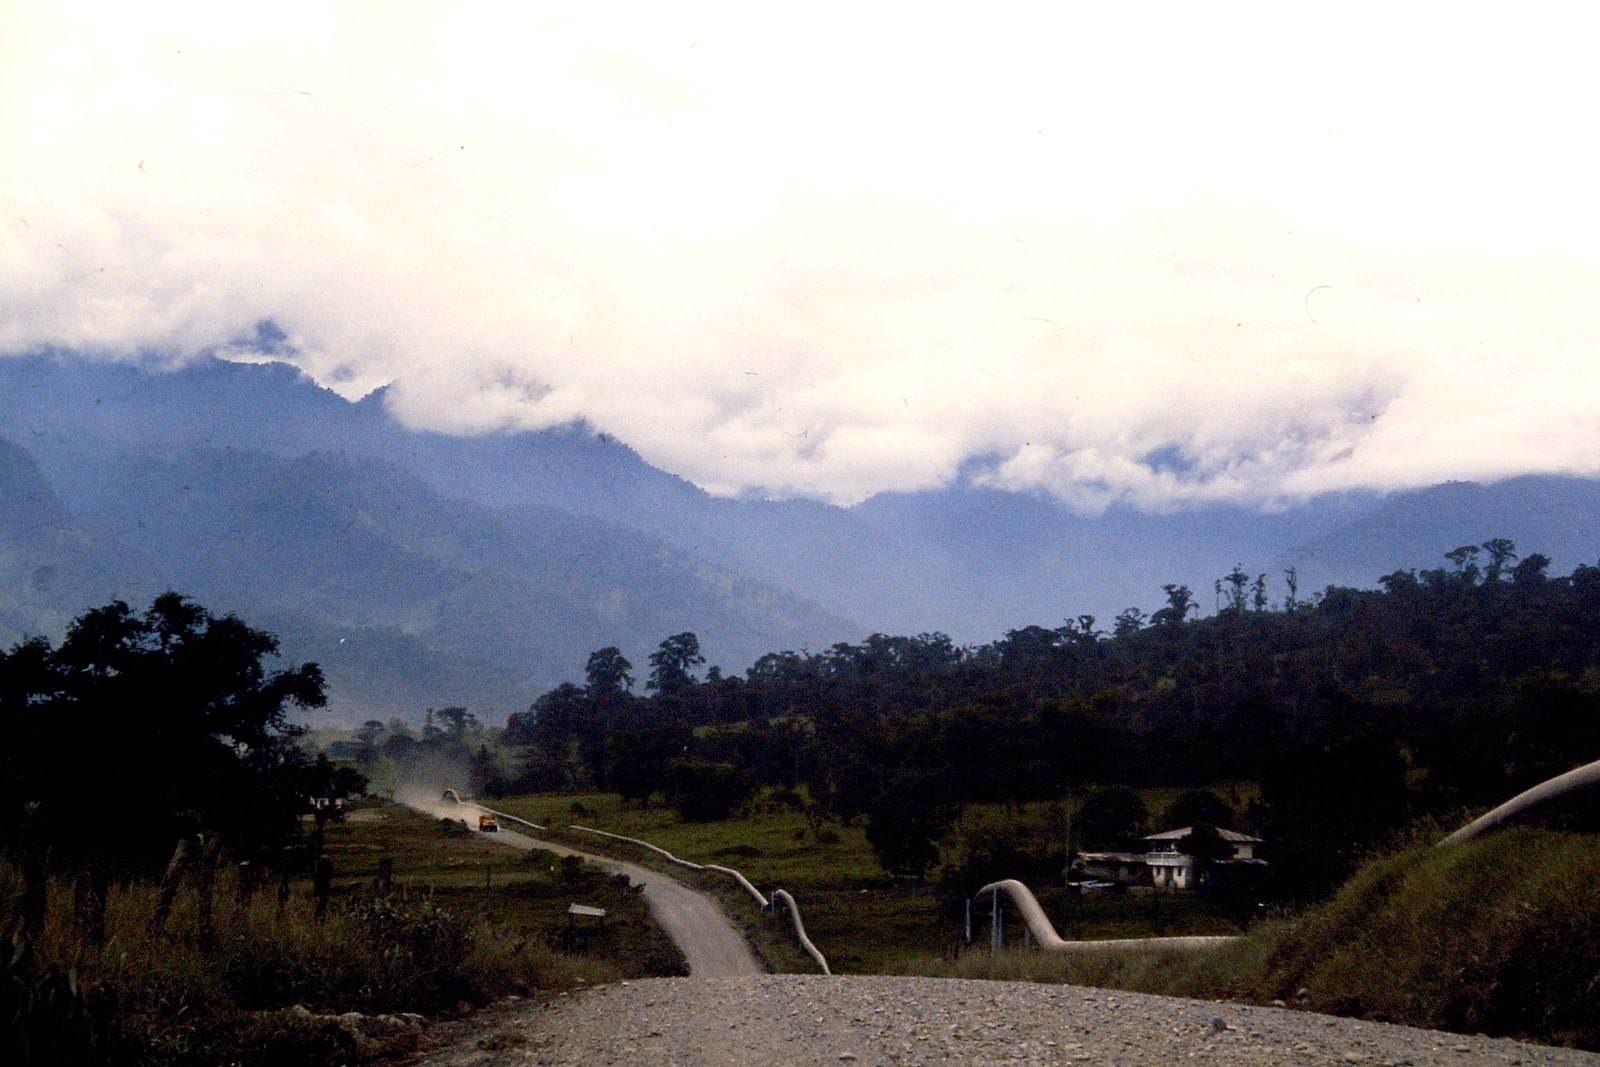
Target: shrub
x=907 y=818
x=49 y=1017
x=704 y=791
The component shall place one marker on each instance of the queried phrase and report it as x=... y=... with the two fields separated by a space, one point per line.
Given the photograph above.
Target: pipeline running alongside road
x=1045 y=936
x=779 y=896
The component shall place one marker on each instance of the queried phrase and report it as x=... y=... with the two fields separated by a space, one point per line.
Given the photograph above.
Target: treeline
x=145 y=735
x=143 y=728
x=1355 y=711
x=451 y=749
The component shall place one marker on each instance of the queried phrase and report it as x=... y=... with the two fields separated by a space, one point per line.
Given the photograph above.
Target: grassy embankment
x=1501 y=937
x=221 y=992
x=863 y=920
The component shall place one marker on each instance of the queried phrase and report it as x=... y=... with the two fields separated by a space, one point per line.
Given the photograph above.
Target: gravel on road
x=809 y=1021
x=711 y=945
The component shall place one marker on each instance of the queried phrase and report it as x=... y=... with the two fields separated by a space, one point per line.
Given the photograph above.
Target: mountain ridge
x=103 y=450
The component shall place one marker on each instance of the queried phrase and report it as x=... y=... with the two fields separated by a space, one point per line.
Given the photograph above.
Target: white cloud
x=846 y=249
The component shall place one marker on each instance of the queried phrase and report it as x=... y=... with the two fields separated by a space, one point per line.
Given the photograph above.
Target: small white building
x=1172 y=869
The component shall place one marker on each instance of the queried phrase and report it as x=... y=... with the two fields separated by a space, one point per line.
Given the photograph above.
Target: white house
x=1172 y=869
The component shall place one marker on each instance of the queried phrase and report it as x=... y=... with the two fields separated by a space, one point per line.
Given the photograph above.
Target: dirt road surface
x=709 y=941
x=810 y=1021
x=696 y=924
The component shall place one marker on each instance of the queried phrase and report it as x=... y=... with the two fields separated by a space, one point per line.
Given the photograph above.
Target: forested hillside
x=1356 y=711
x=406 y=597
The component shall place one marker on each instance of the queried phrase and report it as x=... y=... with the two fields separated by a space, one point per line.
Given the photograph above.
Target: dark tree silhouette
x=907 y=818
x=1197 y=807
x=1110 y=818
x=1180 y=602
x=608 y=672
x=143 y=726
x=672 y=664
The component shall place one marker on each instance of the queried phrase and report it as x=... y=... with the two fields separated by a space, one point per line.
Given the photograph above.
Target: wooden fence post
x=35 y=882
x=169 y=887
x=205 y=889
x=322 y=885
x=283 y=884
x=245 y=888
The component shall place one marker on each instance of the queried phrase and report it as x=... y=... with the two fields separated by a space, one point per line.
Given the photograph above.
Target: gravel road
x=709 y=941
x=712 y=945
x=795 y=1020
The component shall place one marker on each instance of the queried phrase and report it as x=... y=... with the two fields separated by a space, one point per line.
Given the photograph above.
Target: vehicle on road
x=488 y=824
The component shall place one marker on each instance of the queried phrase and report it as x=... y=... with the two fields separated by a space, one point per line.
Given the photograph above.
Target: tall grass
x=261 y=982
x=1499 y=936
x=186 y=996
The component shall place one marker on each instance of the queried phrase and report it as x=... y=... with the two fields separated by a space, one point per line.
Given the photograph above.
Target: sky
x=1156 y=254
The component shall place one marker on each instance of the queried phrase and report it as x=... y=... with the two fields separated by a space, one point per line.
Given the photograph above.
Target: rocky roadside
x=910 y=1022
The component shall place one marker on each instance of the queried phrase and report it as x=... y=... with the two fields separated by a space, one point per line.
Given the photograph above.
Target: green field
x=525 y=894
x=863 y=920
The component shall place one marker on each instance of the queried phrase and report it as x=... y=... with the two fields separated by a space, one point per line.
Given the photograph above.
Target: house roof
x=1233 y=837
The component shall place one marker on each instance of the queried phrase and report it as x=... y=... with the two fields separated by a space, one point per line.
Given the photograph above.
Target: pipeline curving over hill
x=1547 y=794
x=1044 y=932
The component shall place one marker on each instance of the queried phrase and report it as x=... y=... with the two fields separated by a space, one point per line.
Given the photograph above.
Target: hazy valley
x=421 y=569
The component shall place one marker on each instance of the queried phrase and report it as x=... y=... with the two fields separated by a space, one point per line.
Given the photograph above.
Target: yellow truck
x=488 y=824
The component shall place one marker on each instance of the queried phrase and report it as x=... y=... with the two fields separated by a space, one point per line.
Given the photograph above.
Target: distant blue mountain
x=47 y=565
x=423 y=568
x=254 y=491
x=1556 y=515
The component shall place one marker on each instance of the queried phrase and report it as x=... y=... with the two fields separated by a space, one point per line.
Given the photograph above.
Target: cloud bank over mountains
x=832 y=253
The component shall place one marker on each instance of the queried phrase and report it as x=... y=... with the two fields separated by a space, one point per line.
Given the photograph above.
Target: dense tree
x=1129 y=622
x=708 y=791
x=1112 y=818
x=1197 y=807
x=1355 y=709
x=1208 y=848
x=370 y=737
x=566 y=745
x=1501 y=554
x=985 y=845
x=907 y=818
x=327 y=785
x=608 y=672
x=672 y=664
x=457 y=722
x=640 y=757
x=1232 y=590
x=1180 y=602
x=143 y=726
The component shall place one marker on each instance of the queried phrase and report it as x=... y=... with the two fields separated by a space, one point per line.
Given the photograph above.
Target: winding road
x=729 y=1014
x=712 y=945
